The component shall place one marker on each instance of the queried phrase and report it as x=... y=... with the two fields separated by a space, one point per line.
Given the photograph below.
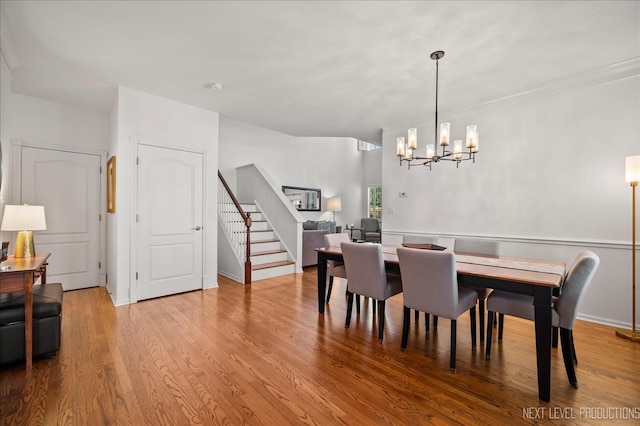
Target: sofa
x=313 y=232
x=47 y=313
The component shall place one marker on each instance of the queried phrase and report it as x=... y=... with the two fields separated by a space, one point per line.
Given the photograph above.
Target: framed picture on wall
x=111 y=185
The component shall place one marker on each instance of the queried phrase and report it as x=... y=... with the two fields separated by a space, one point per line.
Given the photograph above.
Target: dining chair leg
x=554 y=337
x=490 y=318
x=500 y=326
x=573 y=349
x=426 y=322
x=405 y=328
x=349 y=309
x=381 y=310
x=452 y=351
x=373 y=303
x=472 y=314
x=435 y=322
x=358 y=304
x=330 y=288
x=417 y=315
x=481 y=315
x=565 y=342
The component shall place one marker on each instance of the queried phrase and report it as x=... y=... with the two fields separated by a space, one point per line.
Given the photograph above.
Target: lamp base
x=632 y=335
x=24 y=245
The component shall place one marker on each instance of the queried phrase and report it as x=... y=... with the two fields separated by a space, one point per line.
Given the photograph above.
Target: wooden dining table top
x=547 y=273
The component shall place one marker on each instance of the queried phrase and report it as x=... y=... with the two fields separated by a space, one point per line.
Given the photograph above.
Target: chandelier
x=407 y=151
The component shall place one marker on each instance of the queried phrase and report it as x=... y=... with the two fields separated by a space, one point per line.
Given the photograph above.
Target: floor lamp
x=632 y=175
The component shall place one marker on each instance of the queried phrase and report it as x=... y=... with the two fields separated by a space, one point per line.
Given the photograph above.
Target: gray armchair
x=370 y=229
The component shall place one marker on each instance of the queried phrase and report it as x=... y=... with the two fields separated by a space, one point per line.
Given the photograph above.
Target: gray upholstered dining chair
x=430 y=284
x=366 y=276
x=335 y=268
x=421 y=239
x=370 y=229
x=478 y=247
x=565 y=307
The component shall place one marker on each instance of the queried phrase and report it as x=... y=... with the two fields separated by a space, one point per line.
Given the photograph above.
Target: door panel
x=67 y=184
x=169 y=221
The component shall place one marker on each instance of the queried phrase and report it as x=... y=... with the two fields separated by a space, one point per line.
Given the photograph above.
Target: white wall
x=332 y=164
x=149 y=119
x=25 y=119
x=548 y=182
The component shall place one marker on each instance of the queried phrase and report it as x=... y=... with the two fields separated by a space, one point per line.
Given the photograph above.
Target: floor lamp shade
x=24 y=219
x=632 y=169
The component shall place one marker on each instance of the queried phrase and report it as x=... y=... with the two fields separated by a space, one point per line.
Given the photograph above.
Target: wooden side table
x=21 y=275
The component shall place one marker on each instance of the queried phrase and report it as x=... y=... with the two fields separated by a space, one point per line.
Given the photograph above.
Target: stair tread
x=262 y=241
x=265 y=252
x=271 y=265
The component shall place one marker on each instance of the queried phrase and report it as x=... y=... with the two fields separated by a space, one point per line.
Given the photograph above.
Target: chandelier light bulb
x=413 y=138
x=431 y=151
x=444 y=133
x=457 y=149
x=400 y=147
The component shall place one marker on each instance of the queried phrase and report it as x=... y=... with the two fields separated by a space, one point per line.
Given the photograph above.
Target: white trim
x=523 y=239
x=54 y=147
x=604 y=321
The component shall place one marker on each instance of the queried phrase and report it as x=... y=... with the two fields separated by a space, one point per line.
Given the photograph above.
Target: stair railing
x=239 y=222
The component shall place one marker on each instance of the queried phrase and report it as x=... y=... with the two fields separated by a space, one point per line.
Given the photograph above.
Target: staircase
x=269 y=258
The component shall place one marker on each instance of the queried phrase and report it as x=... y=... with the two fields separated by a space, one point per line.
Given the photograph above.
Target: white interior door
x=169 y=221
x=67 y=184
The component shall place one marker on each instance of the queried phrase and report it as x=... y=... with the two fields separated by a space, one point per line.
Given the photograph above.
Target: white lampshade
x=334 y=204
x=400 y=147
x=23 y=218
x=632 y=168
x=412 y=141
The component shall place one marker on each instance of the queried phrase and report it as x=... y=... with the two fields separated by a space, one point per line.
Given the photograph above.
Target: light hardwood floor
x=261 y=354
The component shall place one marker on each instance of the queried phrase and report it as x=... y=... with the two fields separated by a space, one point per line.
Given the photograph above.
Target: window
x=375 y=201
x=367 y=146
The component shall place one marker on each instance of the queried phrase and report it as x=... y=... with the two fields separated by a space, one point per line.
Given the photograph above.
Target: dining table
x=534 y=277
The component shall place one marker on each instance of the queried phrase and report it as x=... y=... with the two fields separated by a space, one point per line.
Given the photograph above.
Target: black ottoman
x=47 y=312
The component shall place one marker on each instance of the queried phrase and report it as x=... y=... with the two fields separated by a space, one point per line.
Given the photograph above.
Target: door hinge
x=137 y=218
x=100 y=169
x=136 y=275
x=100 y=217
x=137 y=161
x=99 y=265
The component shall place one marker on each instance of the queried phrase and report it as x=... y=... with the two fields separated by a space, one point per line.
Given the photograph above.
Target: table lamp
x=334 y=205
x=25 y=219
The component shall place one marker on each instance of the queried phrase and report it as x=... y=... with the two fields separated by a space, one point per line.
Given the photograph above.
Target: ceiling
x=323 y=68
